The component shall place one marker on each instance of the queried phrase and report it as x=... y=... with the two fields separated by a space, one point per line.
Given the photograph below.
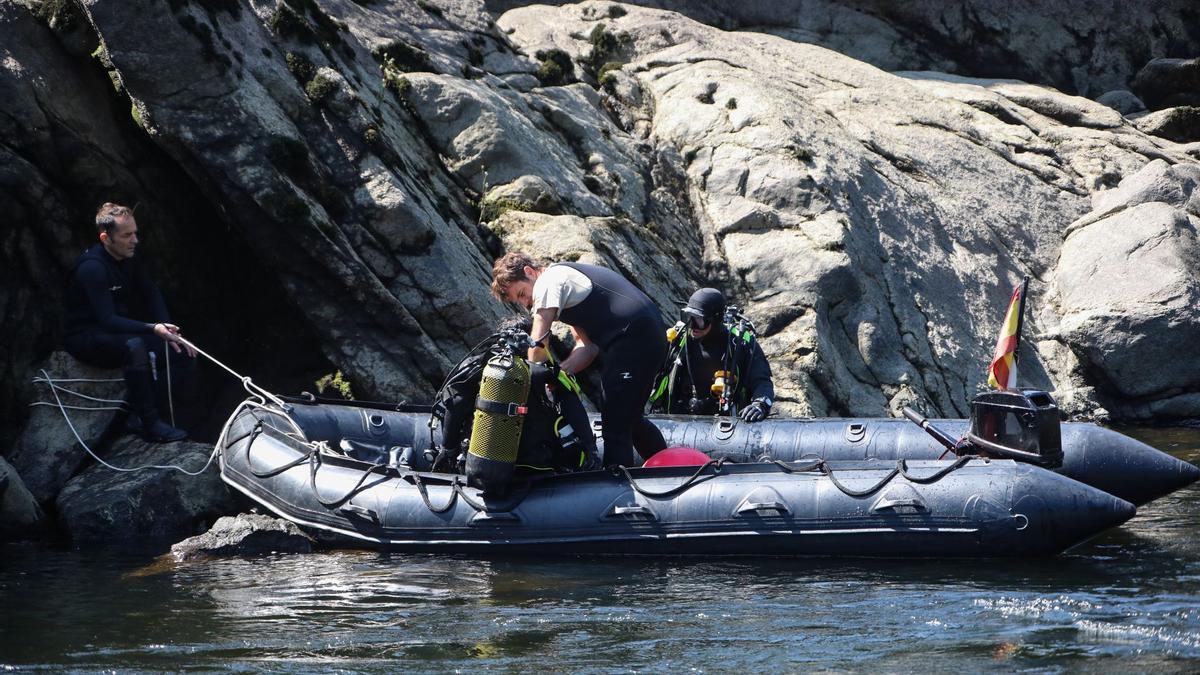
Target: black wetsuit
x=103 y=293
x=627 y=327
x=102 y=296
x=689 y=388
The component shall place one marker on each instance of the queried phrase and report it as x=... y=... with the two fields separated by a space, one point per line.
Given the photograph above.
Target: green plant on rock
x=397 y=83
x=286 y=22
x=59 y=15
x=100 y=53
x=337 y=383
x=136 y=114
x=301 y=68
x=320 y=88
x=492 y=208
x=606 y=47
x=556 y=68
x=402 y=57
x=607 y=77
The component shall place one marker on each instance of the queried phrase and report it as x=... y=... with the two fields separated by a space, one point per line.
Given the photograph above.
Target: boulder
x=526 y=193
x=150 y=505
x=48 y=451
x=1167 y=82
x=20 y=514
x=246 y=534
x=1127 y=291
x=1180 y=124
x=1123 y=101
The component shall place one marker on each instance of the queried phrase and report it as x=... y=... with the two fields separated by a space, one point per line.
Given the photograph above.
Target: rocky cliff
x=322 y=184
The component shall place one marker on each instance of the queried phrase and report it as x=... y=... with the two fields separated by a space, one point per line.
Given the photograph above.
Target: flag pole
x=1020 y=319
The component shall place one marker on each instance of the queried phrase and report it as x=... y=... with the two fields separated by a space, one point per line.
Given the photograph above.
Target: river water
x=1127 y=601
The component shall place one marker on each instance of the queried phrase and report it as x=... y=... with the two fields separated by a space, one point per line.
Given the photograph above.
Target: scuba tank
x=499 y=417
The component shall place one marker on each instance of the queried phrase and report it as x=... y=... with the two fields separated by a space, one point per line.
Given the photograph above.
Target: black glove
x=757 y=411
x=592 y=461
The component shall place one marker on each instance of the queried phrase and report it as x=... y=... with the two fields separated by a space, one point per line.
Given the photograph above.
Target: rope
x=716 y=464
x=245 y=379
x=170 y=396
x=454 y=492
x=77 y=407
x=901 y=469
x=54 y=384
x=81 y=379
x=256 y=391
x=96 y=457
x=314 y=461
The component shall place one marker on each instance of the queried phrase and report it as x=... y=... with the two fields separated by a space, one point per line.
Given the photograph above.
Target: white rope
x=77 y=407
x=254 y=389
x=170 y=398
x=79 y=379
x=118 y=468
x=54 y=384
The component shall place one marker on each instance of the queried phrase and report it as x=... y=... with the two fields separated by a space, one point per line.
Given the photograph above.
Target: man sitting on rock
x=108 y=287
x=714 y=366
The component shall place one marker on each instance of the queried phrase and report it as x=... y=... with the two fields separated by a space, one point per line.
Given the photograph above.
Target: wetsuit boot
x=141 y=401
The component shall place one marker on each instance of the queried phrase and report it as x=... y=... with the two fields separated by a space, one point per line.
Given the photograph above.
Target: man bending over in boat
x=715 y=366
x=608 y=316
x=108 y=287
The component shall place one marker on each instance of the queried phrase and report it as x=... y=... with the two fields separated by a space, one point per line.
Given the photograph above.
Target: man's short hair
x=511 y=268
x=109 y=214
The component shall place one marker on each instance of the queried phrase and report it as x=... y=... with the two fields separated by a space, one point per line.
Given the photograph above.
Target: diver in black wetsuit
x=107 y=287
x=706 y=348
x=608 y=316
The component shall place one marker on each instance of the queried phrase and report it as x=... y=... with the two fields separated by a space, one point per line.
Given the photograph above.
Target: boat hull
x=978 y=508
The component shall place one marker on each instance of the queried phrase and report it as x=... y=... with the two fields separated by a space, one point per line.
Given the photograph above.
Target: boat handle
x=635 y=510
x=893 y=504
x=724 y=429
x=360 y=511
x=494 y=518
x=754 y=507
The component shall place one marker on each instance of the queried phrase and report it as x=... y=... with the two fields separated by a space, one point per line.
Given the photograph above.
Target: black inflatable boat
x=360 y=474
x=1100 y=457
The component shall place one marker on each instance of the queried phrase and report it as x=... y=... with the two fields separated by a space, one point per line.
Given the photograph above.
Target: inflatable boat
x=361 y=475
x=1099 y=457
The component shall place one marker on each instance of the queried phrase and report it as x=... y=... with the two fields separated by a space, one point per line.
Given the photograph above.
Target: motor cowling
x=500 y=411
x=1022 y=425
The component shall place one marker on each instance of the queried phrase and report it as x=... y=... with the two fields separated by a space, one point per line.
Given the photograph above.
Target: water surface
x=1127 y=601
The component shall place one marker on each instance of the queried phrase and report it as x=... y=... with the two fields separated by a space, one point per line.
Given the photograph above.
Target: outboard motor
x=1020 y=425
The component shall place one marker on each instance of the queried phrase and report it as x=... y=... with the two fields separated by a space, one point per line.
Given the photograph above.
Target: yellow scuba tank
x=499 y=417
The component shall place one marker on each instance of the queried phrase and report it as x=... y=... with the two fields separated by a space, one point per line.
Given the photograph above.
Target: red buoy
x=678 y=456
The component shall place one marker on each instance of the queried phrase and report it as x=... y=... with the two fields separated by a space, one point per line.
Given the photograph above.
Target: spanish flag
x=1002 y=374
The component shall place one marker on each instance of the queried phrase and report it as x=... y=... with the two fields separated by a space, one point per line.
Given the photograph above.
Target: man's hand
x=170 y=333
x=592 y=461
x=757 y=411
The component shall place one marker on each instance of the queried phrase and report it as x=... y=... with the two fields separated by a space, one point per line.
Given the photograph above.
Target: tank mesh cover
x=498 y=436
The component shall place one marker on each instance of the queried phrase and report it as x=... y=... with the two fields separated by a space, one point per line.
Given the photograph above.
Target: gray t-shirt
x=559 y=287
